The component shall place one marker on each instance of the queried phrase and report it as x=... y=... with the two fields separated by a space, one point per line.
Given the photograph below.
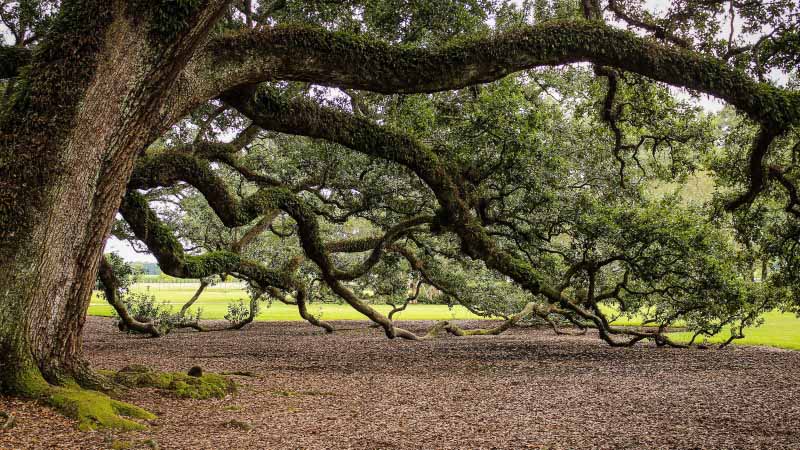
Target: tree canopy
x=526 y=160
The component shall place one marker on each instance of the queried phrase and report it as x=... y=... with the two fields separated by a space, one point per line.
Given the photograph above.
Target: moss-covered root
x=91 y=409
x=95 y=410
x=209 y=385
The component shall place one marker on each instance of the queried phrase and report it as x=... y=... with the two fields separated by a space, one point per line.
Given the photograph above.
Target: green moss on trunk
x=27 y=382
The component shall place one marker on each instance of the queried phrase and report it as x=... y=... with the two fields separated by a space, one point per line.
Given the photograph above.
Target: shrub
x=238 y=312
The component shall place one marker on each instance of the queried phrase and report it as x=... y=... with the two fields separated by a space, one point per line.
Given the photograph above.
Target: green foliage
x=238 y=311
x=127 y=273
x=556 y=186
x=143 y=307
x=419 y=22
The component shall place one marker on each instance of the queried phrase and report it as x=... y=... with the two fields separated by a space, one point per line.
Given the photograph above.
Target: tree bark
x=91 y=101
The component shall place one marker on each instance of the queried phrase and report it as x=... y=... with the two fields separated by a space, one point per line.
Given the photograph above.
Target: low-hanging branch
x=168 y=168
x=302 y=117
x=307 y=118
x=504 y=326
x=169 y=253
x=301 y=302
x=111 y=287
x=164 y=168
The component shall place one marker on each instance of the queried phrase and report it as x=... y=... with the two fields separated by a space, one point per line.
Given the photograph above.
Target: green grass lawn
x=214 y=304
x=779 y=329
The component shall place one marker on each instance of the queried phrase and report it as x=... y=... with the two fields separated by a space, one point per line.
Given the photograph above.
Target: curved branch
x=172 y=260
x=301 y=306
x=793 y=203
x=203 y=285
x=658 y=31
x=169 y=253
x=454 y=329
x=309 y=119
x=377 y=246
x=396 y=309
x=755 y=168
x=347 y=61
x=167 y=168
x=111 y=291
x=254 y=231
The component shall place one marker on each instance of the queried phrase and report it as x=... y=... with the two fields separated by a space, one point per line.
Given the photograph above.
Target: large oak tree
x=93 y=84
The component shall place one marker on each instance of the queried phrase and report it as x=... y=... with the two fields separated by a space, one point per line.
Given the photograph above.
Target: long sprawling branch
x=168 y=168
x=309 y=119
x=173 y=261
x=348 y=61
x=111 y=286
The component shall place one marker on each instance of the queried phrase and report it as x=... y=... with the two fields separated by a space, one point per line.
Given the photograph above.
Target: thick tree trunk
x=65 y=158
x=48 y=278
x=46 y=205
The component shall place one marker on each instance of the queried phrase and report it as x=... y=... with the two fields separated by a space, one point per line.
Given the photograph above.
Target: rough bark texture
x=92 y=101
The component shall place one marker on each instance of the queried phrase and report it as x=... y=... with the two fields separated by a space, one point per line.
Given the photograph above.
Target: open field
x=357 y=389
x=214 y=304
x=779 y=330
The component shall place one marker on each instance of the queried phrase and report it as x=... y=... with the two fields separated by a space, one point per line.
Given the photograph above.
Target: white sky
x=124 y=249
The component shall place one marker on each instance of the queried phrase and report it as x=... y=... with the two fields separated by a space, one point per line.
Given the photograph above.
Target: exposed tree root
x=95 y=410
x=181 y=385
x=92 y=409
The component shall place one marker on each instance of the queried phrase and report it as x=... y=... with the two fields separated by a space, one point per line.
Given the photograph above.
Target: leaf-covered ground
x=356 y=389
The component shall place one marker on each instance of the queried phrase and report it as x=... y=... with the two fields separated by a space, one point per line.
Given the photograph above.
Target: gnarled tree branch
x=347 y=61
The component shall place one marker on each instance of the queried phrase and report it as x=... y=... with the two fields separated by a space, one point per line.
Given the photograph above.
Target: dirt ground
x=356 y=389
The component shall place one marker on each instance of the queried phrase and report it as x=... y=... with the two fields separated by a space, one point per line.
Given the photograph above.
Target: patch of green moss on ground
x=95 y=410
x=121 y=445
x=210 y=385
